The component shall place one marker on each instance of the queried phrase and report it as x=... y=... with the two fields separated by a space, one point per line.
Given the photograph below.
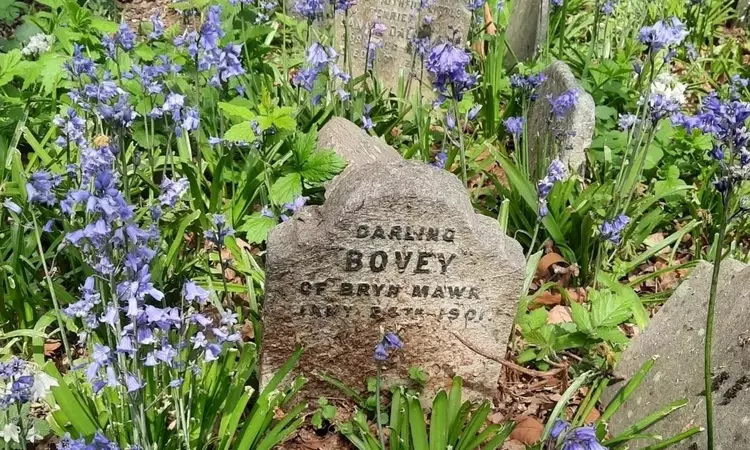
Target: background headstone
x=396 y=245
x=677 y=335
x=402 y=19
x=527 y=30
x=574 y=132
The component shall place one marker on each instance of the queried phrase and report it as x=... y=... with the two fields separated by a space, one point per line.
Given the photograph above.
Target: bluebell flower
x=305 y=78
x=40 y=187
x=662 y=34
x=194 y=293
x=514 y=125
x=473 y=112
x=556 y=3
x=563 y=103
x=610 y=230
x=125 y=37
x=555 y=173
x=450 y=121
x=381 y=353
x=440 y=160
x=390 y=341
x=473 y=5
x=319 y=55
x=79 y=65
x=627 y=121
x=378 y=28
x=12 y=206
x=447 y=65
x=221 y=231
x=172 y=191
x=176 y=383
x=158 y=26
x=581 y=438
x=608 y=8
x=309 y=9
x=191 y=121
x=132 y=383
x=527 y=83
x=211 y=31
x=110 y=46
x=344 y=5
x=393 y=341
x=420 y=45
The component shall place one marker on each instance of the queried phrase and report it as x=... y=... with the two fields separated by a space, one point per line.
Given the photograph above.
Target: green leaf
x=626 y=292
x=608 y=309
x=664 y=188
x=580 y=317
x=242 y=132
x=256 y=228
x=103 y=25
x=611 y=335
x=9 y=65
x=417 y=425
x=322 y=166
x=233 y=111
x=286 y=188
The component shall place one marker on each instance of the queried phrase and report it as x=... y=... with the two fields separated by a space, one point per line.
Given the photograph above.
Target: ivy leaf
x=608 y=309
x=256 y=228
x=286 y=188
x=322 y=166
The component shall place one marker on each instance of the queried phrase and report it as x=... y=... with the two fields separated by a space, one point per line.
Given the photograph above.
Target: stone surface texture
x=677 y=335
x=397 y=246
x=527 y=30
x=576 y=128
x=395 y=56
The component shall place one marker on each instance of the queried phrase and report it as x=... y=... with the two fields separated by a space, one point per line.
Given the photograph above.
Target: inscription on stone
x=404 y=20
x=396 y=245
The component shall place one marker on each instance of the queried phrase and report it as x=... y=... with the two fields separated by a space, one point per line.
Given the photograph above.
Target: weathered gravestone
x=676 y=335
x=569 y=137
x=527 y=30
x=404 y=21
x=398 y=246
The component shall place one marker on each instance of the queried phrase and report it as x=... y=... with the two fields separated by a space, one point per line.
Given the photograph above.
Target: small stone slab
x=396 y=246
x=676 y=335
x=527 y=30
x=574 y=131
x=353 y=144
x=402 y=19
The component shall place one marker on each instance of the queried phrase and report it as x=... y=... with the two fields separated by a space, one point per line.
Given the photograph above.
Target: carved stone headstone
x=527 y=30
x=676 y=335
x=398 y=246
x=404 y=20
x=569 y=137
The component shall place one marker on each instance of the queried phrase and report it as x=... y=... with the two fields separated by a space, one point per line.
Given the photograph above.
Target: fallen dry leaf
x=545 y=264
x=50 y=347
x=593 y=416
x=528 y=430
x=546 y=299
x=559 y=314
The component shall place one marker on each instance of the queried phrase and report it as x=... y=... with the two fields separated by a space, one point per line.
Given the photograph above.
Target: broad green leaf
x=286 y=188
x=612 y=335
x=233 y=111
x=256 y=228
x=322 y=166
x=626 y=292
x=9 y=65
x=608 y=309
x=580 y=316
x=242 y=132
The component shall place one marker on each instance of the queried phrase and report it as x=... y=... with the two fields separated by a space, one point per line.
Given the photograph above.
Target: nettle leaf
x=232 y=111
x=256 y=228
x=611 y=335
x=322 y=166
x=286 y=188
x=533 y=319
x=608 y=309
x=580 y=316
x=242 y=132
x=9 y=65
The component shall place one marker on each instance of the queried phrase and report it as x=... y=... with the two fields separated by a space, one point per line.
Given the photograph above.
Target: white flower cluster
x=38 y=44
x=671 y=89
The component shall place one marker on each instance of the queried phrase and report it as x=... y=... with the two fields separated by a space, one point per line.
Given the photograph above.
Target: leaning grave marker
x=396 y=245
x=401 y=17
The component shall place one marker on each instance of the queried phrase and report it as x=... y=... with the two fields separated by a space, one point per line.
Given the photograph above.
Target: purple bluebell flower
x=555 y=173
x=514 y=125
x=158 y=26
x=662 y=34
x=581 y=438
x=447 y=65
x=473 y=112
x=344 y=5
x=172 y=191
x=79 y=64
x=132 y=383
x=381 y=353
x=474 y=5
x=305 y=78
x=191 y=121
x=176 y=383
x=40 y=187
x=125 y=37
x=608 y=8
x=450 y=121
x=194 y=293
x=367 y=123
x=440 y=160
x=378 y=28
x=390 y=341
x=309 y=9
x=393 y=341
x=319 y=55
x=559 y=428
x=557 y=3
x=221 y=231
x=211 y=31
x=627 y=121
x=610 y=230
x=527 y=83
x=420 y=45
x=563 y=103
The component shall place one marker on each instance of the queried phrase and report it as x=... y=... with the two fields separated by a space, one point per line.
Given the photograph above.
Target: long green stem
x=377 y=409
x=52 y=294
x=462 y=149
x=710 y=322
